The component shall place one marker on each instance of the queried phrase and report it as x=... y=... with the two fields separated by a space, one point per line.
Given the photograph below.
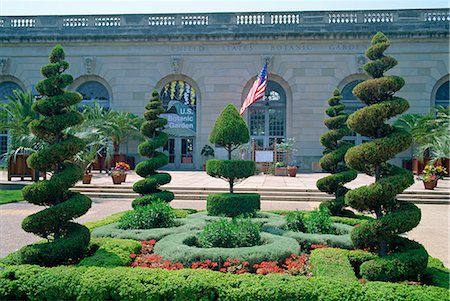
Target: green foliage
x=10 y=196
x=192 y=222
x=67 y=240
x=332 y=263
x=318 y=221
x=182 y=248
x=235 y=233
x=105 y=221
x=399 y=258
x=230 y=130
x=295 y=221
x=436 y=273
x=148 y=187
x=121 y=283
x=233 y=204
x=230 y=170
x=111 y=252
x=333 y=158
x=155 y=215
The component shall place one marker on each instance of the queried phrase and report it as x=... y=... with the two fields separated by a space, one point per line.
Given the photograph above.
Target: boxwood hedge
x=121 y=283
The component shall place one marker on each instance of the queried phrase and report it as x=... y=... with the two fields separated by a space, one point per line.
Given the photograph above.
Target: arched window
x=442 y=95
x=180 y=101
x=267 y=117
x=94 y=91
x=6 y=89
x=352 y=104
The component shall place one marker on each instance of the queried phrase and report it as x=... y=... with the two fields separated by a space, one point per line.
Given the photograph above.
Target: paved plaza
x=433 y=231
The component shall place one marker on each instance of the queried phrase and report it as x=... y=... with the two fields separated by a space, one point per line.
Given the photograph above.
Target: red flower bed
x=294 y=265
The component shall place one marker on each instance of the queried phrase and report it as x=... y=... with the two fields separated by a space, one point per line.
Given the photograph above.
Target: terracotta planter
x=281 y=171
x=17 y=167
x=292 y=171
x=118 y=179
x=430 y=184
x=87 y=178
x=124 y=178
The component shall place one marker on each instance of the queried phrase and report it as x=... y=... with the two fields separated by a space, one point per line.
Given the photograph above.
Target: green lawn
x=10 y=196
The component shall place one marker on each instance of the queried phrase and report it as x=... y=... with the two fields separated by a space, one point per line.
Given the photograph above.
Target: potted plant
x=287 y=145
x=118 y=176
x=207 y=152
x=123 y=167
x=281 y=169
x=431 y=174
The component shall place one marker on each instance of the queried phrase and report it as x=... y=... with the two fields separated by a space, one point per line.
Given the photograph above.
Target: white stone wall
x=223 y=72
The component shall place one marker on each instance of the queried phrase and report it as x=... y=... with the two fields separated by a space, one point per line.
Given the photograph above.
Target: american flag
x=257 y=91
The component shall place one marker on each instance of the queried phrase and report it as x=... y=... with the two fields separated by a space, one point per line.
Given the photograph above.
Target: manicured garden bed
x=106 y=273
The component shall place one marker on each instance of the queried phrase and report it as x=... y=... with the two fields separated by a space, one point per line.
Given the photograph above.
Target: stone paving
x=433 y=230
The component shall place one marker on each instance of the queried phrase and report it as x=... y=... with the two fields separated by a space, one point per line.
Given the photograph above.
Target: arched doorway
x=267 y=117
x=179 y=99
x=94 y=91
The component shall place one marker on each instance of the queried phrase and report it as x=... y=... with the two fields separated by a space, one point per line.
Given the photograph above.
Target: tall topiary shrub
x=333 y=158
x=399 y=258
x=148 y=187
x=66 y=239
x=230 y=131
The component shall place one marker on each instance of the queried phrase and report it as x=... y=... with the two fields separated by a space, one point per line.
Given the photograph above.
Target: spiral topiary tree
x=66 y=240
x=148 y=187
x=333 y=158
x=399 y=258
x=230 y=131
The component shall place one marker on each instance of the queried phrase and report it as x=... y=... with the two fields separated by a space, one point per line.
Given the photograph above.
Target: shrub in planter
x=158 y=214
x=399 y=258
x=333 y=158
x=67 y=240
x=233 y=204
x=230 y=131
x=234 y=233
x=148 y=187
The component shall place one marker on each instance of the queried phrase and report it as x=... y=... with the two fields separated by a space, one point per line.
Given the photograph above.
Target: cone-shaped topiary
x=399 y=258
x=148 y=188
x=230 y=131
x=67 y=240
x=333 y=158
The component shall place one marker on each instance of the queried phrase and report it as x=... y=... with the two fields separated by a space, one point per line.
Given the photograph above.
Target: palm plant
x=429 y=132
x=15 y=117
x=123 y=125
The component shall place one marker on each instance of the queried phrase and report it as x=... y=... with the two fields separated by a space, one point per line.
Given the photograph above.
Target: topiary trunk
x=400 y=258
x=67 y=240
x=333 y=158
x=148 y=188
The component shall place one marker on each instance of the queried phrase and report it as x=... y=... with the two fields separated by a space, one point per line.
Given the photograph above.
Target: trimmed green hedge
x=93 y=283
x=181 y=248
x=111 y=252
x=332 y=263
x=233 y=204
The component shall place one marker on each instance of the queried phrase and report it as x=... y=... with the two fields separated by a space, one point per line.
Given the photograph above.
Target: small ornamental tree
x=399 y=258
x=230 y=131
x=333 y=158
x=148 y=187
x=66 y=240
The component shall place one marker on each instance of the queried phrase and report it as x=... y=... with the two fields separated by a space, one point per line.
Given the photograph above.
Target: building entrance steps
x=196 y=185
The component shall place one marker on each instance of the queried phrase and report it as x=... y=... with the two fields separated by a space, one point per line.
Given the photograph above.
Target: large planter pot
x=118 y=179
x=292 y=171
x=124 y=178
x=17 y=167
x=430 y=184
x=281 y=171
x=87 y=178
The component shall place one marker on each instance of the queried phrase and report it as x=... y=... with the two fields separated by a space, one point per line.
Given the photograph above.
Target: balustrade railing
x=231 y=20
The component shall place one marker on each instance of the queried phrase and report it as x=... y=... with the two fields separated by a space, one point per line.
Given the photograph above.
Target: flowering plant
x=432 y=173
x=117 y=173
x=122 y=166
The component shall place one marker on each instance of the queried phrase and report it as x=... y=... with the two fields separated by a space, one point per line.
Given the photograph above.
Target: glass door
x=180 y=151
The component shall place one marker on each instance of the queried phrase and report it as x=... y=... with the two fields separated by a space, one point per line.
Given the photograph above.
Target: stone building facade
x=201 y=62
